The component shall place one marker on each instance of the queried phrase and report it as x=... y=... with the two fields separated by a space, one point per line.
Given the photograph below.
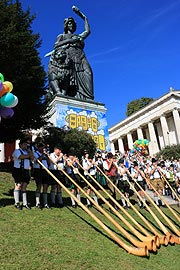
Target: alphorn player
x=139 y=176
x=111 y=171
x=71 y=162
x=57 y=157
x=89 y=167
x=157 y=181
x=123 y=185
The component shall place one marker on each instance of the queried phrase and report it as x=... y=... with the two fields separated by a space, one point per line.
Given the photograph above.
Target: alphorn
x=143 y=251
x=173 y=191
x=149 y=243
x=172 y=237
x=137 y=233
x=163 y=239
x=163 y=200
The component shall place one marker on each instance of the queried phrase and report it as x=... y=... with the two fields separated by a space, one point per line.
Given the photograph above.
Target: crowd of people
x=128 y=173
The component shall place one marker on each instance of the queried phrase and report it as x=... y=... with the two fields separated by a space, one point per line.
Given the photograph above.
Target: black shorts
x=21 y=175
x=141 y=183
x=123 y=186
x=41 y=176
x=59 y=175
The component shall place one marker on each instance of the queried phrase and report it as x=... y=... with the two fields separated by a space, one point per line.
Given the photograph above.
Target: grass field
x=69 y=238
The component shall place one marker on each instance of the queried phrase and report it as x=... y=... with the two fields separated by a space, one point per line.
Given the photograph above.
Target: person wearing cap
x=21 y=173
x=139 y=177
x=41 y=176
x=157 y=181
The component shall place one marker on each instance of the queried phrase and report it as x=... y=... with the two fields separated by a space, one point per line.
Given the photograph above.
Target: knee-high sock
x=123 y=202
x=79 y=197
x=16 y=195
x=59 y=197
x=24 y=197
x=45 y=201
x=95 y=199
x=88 y=202
x=73 y=201
x=52 y=195
x=37 y=198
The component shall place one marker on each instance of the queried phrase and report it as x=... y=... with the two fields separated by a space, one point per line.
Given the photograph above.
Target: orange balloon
x=9 y=84
x=4 y=90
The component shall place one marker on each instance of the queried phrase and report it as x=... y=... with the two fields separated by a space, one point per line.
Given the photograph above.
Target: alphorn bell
x=137 y=233
x=163 y=239
x=143 y=251
x=150 y=243
x=172 y=237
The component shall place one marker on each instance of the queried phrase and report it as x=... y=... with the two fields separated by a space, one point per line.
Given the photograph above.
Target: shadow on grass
x=91 y=225
x=9 y=200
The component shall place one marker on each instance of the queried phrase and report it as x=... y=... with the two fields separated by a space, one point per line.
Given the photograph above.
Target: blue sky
x=133 y=49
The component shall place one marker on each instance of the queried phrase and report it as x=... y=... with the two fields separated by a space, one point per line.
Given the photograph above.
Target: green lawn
x=69 y=238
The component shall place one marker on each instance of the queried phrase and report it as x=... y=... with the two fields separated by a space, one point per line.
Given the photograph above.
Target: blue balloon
x=7 y=99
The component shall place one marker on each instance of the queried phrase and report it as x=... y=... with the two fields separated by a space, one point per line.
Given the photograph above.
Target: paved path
x=168 y=199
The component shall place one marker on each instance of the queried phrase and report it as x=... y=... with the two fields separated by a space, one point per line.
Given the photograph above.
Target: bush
x=170 y=152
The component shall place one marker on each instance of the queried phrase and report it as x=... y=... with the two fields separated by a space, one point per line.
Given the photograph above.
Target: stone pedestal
x=87 y=115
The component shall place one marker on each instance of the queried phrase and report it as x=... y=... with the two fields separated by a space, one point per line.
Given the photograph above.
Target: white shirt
x=60 y=162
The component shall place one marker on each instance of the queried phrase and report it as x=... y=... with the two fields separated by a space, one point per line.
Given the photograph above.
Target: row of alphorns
x=145 y=241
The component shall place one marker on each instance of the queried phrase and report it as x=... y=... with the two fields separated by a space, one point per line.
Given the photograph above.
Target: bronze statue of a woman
x=69 y=72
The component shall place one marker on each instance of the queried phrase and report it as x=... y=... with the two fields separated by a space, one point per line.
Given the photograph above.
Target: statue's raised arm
x=78 y=12
x=86 y=25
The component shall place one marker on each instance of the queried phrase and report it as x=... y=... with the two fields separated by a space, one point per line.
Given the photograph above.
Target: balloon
x=9 y=84
x=1 y=77
x=7 y=99
x=1 y=85
x=4 y=90
x=6 y=112
x=14 y=103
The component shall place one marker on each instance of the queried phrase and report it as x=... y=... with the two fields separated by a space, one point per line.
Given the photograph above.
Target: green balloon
x=1 y=77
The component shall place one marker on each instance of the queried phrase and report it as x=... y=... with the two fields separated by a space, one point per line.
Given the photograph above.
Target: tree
x=69 y=140
x=20 y=64
x=170 y=152
x=136 y=105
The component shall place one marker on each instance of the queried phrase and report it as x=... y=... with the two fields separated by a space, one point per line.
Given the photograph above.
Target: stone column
x=165 y=129
x=112 y=148
x=153 y=145
x=121 y=145
x=130 y=141
x=177 y=123
x=140 y=133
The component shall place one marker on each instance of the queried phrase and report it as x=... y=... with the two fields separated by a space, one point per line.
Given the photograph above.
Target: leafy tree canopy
x=20 y=64
x=170 y=152
x=69 y=140
x=136 y=105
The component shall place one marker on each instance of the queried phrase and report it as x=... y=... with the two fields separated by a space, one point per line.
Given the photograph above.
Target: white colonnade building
x=159 y=122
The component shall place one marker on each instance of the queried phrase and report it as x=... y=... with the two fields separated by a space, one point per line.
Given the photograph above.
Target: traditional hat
x=153 y=160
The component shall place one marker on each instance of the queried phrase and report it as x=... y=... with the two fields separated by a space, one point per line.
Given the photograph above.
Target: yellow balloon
x=9 y=84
